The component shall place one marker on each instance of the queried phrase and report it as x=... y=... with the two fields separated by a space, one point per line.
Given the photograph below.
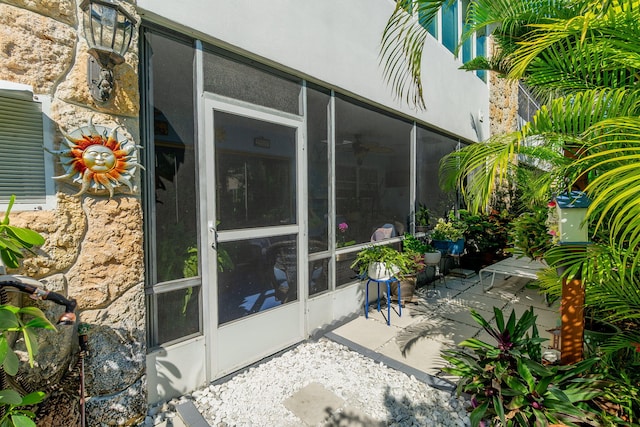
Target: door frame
x=214 y=333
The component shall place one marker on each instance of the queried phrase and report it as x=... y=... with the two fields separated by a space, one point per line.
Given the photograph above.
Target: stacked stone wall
x=94 y=243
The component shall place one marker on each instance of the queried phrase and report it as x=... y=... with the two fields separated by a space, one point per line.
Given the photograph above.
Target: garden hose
x=83 y=341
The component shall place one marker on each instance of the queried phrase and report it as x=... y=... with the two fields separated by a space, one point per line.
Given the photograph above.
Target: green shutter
x=21 y=151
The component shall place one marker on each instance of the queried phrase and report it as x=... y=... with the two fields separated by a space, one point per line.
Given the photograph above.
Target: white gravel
x=255 y=397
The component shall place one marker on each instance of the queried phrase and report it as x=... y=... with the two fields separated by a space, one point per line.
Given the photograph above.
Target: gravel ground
x=255 y=397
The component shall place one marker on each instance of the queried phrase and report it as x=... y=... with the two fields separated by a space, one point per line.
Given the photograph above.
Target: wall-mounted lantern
x=108 y=29
x=572 y=210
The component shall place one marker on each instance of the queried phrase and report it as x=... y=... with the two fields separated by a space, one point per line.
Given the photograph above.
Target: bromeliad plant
x=528 y=234
x=510 y=387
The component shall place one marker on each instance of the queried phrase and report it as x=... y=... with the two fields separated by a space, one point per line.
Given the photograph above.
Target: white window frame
x=25 y=93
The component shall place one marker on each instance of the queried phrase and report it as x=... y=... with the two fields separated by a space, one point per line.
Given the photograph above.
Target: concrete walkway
x=440 y=318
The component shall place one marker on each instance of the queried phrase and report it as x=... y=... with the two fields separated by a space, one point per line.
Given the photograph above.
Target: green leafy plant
x=529 y=235
x=510 y=386
x=486 y=233
x=422 y=216
x=12 y=321
x=392 y=259
x=411 y=243
x=621 y=401
x=13 y=240
x=449 y=229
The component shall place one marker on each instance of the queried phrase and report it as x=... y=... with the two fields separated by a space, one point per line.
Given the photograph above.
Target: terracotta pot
x=407 y=289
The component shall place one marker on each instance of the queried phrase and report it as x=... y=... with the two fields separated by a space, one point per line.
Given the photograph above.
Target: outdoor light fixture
x=108 y=29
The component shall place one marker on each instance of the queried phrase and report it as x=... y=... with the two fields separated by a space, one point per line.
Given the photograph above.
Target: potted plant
x=422 y=218
x=431 y=255
x=411 y=243
x=381 y=262
x=448 y=235
x=597 y=332
x=485 y=239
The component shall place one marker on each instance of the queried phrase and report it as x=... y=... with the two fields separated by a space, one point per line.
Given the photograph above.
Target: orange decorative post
x=572 y=316
x=572 y=231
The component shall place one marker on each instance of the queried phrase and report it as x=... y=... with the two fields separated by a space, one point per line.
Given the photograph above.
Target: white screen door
x=253 y=190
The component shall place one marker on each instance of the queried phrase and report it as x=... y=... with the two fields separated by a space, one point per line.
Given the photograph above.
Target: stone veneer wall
x=503 y=116
x=94 y=244
x=503 y=105
x=503 y=101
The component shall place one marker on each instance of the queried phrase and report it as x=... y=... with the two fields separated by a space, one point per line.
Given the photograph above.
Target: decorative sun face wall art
x=97 y=160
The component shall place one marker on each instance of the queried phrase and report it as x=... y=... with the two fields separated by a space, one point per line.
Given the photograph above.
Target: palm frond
x=478 y=168
x=402 y=45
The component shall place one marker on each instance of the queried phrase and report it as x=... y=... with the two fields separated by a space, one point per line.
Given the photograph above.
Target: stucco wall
x=93 y=251
x=335 y=43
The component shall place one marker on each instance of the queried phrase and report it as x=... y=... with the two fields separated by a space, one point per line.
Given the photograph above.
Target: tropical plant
x=621 y=400
x=11 y=321
x=485 y=233
x=529 y=235
x=508 y=384
x=580 y=57
x=13 y=240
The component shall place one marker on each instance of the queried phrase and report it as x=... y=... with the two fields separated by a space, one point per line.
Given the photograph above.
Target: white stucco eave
x=334 y=43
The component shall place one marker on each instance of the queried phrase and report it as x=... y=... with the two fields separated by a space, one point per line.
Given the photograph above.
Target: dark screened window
x=318 y=168
x=371 y=172
x=235 y=79
x=171 y=200
x=431 y=147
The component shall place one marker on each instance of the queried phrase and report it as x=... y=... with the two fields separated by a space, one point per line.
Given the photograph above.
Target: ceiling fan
x=361 y=149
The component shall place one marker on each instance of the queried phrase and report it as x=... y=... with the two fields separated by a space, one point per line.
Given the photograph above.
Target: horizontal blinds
x=21 y=151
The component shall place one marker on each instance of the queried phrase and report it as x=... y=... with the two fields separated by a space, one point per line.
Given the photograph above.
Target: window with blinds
x=22 y=156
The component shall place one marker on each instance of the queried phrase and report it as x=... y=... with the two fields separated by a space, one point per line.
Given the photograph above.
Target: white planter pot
x=378 y=271
x=432 y=258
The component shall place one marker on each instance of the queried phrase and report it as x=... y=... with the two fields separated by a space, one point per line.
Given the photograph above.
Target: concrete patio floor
x=439 y=318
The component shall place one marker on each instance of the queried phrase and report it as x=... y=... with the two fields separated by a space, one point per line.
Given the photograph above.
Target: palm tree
x=580 y=55
x=582 y=58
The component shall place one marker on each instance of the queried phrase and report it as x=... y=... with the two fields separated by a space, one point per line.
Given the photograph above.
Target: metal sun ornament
x=97 y=160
